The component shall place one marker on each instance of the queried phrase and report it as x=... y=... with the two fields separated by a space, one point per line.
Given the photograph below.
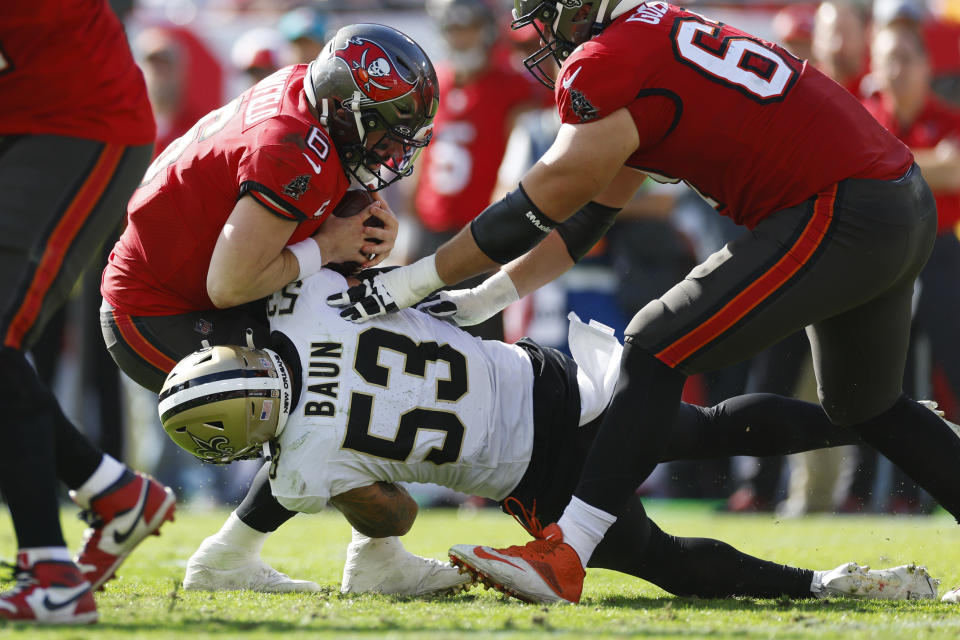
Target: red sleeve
x=290 y=178
x=584 y=92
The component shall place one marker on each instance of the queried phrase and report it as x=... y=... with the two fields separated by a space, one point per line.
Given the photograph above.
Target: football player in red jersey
x=840 y=220
x=239 y=207
x=76 y=133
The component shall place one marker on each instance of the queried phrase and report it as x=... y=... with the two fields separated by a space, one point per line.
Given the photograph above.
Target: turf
x=146 y=602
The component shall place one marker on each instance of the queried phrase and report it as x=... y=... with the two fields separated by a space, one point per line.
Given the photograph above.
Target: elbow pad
x=584 y=229
x=509 y=228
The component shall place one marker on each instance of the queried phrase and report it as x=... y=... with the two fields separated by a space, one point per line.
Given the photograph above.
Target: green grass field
x=146 y=603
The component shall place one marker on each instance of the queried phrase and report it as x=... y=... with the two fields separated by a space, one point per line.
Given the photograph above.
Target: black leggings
x=699 y=567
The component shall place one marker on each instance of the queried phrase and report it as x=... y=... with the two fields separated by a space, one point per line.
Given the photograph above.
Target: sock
x=108 y=472
x=259 y=509
x=240 y=536
x=816 y=585
x=358 y=537
x=634 y=431
x=583 y=527
x=45 y=554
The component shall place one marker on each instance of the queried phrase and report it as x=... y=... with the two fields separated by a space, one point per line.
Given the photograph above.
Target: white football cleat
x=906 y=582
x=382 y=565
x=216 y=566
x=952 y=596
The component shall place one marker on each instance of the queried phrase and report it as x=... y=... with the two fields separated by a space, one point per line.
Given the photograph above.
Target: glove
x=466 y=307
x=388 y=291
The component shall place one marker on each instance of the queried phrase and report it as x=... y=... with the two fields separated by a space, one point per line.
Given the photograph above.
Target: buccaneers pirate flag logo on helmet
x=372 y=70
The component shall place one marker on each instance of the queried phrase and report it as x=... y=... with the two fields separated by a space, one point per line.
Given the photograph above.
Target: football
x=353 y=202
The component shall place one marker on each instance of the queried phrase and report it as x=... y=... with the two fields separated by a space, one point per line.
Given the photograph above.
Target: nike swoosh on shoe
x=119 y=537
x=77 y=593
x=480 y=552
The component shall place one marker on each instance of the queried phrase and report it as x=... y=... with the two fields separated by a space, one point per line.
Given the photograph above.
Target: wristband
x=412 y=283
x=497 y=292
x=307 y=253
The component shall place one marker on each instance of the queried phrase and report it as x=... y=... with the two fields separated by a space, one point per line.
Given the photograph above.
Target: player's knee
x=853 y=407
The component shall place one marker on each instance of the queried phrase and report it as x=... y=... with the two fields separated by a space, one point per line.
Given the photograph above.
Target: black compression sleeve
x=509 y=228
x=584 y=229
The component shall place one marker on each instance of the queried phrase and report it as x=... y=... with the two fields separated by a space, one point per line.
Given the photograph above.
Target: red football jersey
x=66 y=69
x=265 y=144
x=458 y=171
x=749 y=126
x=936 y=122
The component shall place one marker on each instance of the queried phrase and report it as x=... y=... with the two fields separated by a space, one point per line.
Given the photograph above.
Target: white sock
x=816 y=585
x=358 y=537
x=241 y=536
x=583 y=527
x=41 y=554
x=108 y=471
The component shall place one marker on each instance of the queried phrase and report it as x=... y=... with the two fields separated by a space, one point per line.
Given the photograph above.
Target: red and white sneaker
x=49 y=592
x=134 y=507
x=543 y=570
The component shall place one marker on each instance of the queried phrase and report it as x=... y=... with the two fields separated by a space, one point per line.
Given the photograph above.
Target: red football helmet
x=376 y=91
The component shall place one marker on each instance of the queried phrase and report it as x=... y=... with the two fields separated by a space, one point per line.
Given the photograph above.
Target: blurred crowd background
x=901 y=57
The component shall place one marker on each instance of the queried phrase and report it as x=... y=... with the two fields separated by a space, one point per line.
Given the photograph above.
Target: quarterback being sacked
x=251 y=199
x=409 y=398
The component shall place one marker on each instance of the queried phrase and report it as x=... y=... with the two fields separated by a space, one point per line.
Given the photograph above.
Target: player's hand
x=365 y=301
x=459 y=307
x=388 y=291
x=381 y=236
x=467 y=307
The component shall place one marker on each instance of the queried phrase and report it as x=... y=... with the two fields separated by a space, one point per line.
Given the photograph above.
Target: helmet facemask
x=373 y=152
x=561 y=31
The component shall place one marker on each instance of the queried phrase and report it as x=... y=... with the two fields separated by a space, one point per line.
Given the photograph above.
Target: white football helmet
x=222 y=403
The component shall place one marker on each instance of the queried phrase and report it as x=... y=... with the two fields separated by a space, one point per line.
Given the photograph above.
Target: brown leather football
x=353 y=202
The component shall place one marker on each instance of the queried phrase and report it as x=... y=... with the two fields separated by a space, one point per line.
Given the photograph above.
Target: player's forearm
x=460 y=258
x=234 y=283
x=544 y=263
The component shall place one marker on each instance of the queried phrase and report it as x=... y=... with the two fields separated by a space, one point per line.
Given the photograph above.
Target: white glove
x=388 y=291
x=466 y=307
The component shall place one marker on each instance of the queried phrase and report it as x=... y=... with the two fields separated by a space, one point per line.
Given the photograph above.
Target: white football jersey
x=404 y=398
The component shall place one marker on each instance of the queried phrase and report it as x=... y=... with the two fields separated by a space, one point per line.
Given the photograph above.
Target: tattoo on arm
x=379 y=510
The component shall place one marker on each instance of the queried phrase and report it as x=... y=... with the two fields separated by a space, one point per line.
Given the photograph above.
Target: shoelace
x=91 y=518
x=24 y=577
x=530 y=522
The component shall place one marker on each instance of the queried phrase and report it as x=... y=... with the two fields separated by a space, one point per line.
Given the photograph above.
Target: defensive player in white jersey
x=349 y=410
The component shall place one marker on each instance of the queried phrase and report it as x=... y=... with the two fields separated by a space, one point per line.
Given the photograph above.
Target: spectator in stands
x=305 y=29
x=793 y=28
x=258 y=53
x=839 y=47
x=184 y=79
